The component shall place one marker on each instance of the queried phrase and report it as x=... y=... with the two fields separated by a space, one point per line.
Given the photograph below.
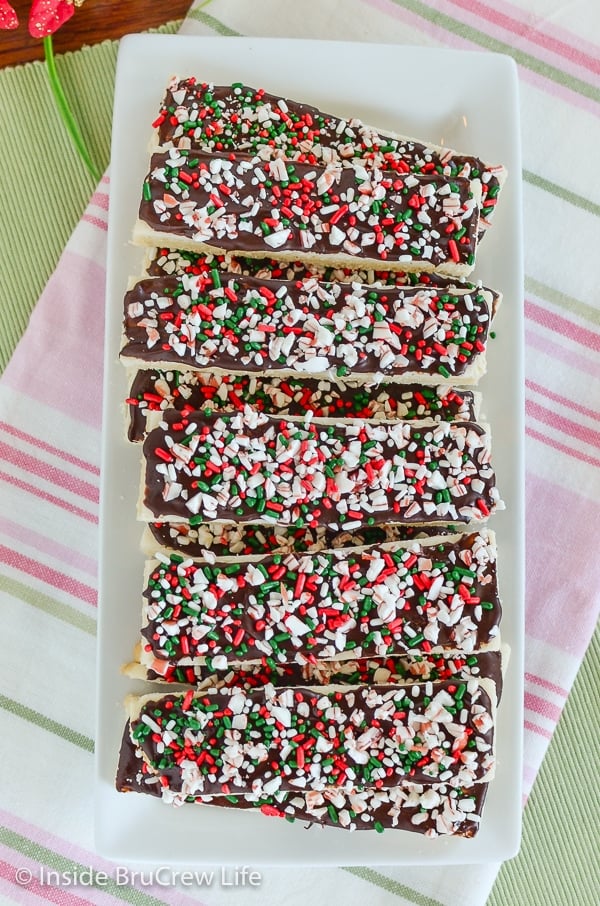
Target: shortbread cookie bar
x=268 y=740
x=242 y=324
x=328 y=216
x=400 y=670
x=178 y=262
x=216 y=539
x=249 y=467
x=433 y=809
x=377 y=601
x=187 y=391
x=216 y=118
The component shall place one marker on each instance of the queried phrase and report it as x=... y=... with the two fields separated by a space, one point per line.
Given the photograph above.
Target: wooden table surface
x=96 y=20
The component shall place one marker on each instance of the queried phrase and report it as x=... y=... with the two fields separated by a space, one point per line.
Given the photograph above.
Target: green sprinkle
x=460 y=692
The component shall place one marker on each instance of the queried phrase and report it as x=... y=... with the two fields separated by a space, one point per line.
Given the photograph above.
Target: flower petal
x=8 y=17
x=47 y=16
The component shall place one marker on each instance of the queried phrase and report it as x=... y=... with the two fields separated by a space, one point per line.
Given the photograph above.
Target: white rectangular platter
x=465 y=100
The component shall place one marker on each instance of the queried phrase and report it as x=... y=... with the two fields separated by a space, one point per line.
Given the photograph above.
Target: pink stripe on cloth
x=562 y=448
x=448 y=39
x=6 y=428
x=563 y=596
x=554 y=420
x=562 y=400
x=48 y=473
x=15 y=482
x=88 y=859
x=34 y=370
x=551 y=687
x=560 y=36
x=540 y=731
x=568 y=355
x=95 y=221
x=101 y=200
x=23 y=893
x=48 y=546
x=528 y=33
x=542 y=707
x=561 y=325
x=14 y=893
x=48 y=575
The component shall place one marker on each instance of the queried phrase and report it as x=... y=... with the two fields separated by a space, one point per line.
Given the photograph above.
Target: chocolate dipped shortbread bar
x=433 y=809
x=240 y=325
x=267 y=740
x=400 y=670
x=381 y=601
x=179 y=262
x=210 y=540
x=188 y=391
x=330 y=216
x=226 y=539
x=250 y=467
x=218 y=118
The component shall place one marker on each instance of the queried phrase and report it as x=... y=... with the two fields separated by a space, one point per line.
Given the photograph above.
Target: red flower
x=8 y=17
x=45 y=16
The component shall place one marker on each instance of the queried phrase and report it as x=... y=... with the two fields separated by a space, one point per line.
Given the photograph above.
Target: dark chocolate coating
x=459 y=451
x=131 y=778
x=424 y=233
x=397 y=331
x=252 y=608
x=290 y=396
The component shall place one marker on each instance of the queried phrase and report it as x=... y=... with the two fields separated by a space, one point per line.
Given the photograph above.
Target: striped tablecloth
x=50 y=398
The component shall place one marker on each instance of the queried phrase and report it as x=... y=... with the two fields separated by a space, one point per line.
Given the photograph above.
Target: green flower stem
x=65 y=111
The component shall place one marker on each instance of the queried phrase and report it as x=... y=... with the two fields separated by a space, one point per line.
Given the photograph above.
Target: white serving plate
x=465 y=100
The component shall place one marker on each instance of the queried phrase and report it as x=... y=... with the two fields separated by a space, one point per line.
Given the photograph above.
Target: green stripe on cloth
x=475 y=36
x=48 y=605
x=214 y=24
x=562 y=300
x=29 y=119
x=391 y=886
x=34 y=245
x=46 y=723
x=558 y=862
x=57 y=862
x=565 y=194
